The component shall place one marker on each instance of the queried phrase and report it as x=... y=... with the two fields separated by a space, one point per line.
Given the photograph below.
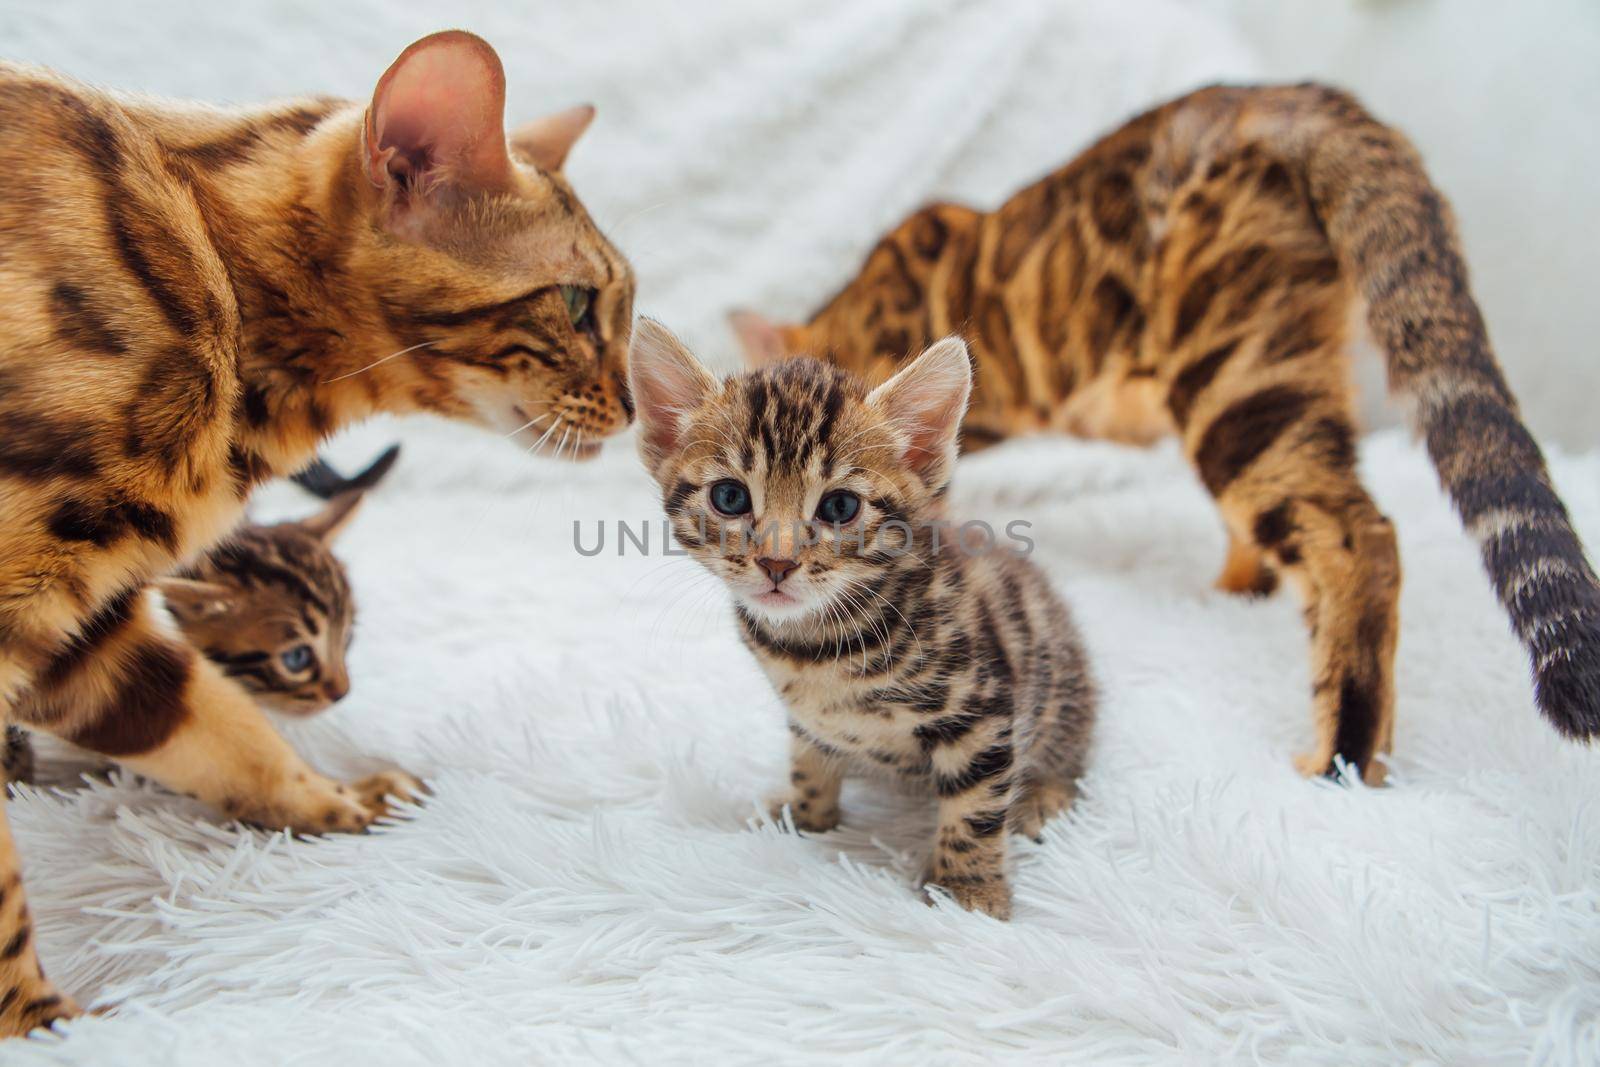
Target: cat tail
x=321 y=479
x=1394 y=237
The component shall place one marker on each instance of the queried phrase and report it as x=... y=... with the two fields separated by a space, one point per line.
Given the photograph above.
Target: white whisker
x=374 y=363
x=527 y=424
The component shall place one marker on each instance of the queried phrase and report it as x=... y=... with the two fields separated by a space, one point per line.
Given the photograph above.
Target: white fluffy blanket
x=590 y=880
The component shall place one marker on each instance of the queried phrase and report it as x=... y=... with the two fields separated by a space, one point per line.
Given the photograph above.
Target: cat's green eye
x=296 y=659
x=577 y=300
x=730 y=498
x=838 y=507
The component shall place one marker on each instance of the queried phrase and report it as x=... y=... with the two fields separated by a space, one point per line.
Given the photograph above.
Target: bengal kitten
x=194 y=298
x=271 y=606
x=821 y=506
x=1196 y=272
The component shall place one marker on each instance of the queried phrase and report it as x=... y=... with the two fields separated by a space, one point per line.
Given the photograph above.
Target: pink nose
x=335 y=691
x=777 y=569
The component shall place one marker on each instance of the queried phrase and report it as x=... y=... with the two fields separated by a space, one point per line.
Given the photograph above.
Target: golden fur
x=194 y=298
x=1194 y=273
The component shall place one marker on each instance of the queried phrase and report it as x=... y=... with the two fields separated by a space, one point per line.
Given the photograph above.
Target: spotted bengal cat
x=898 y=646
x=1196 y=272
x=194 y=298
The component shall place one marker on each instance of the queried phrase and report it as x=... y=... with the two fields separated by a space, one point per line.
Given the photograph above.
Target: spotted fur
x=1195 y=272
x=194 y=298
x=896 y=647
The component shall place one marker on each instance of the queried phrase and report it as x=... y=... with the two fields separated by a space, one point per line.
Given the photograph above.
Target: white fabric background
x=590 y=882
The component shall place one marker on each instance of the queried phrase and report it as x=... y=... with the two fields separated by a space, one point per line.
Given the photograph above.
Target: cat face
x=512 y=308
x=273 y=608
x=794 y=484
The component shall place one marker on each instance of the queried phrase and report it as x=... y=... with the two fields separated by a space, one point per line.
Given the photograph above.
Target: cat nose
x=335 y=691
x=777 y=569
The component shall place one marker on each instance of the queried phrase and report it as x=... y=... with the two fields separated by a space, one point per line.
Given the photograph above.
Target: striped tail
x=1394 y=238
x=324 y=481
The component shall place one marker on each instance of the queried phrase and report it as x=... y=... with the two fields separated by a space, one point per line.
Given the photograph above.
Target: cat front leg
x=138 y=692
x=815 y=779
x=976 y=783
x=28 y=1000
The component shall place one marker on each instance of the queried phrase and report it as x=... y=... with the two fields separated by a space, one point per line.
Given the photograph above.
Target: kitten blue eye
x=730 y=498
x=838 y=507
x=296 y=659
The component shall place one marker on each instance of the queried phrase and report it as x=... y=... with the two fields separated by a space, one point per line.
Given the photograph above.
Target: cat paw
x=32 y=1003
x=1039 y=803
x=1311 y=764
x=376 y=790
x=807 y=814
x=991 y=898
x=323 y=806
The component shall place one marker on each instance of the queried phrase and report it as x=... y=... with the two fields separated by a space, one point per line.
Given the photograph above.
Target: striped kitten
x=271 y=606
x=820 y=504
x=1196 y=273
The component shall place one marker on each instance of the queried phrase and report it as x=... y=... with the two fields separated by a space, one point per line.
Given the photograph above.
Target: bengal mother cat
x=193 y=299
x=1198 y=272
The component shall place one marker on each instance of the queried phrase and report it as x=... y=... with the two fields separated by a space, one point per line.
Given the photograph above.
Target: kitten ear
x=667 y=384
x=926 y=401
x=764 y=341
x=437 y=119
x=327 y=524
x=546 y=141
x=190 y=600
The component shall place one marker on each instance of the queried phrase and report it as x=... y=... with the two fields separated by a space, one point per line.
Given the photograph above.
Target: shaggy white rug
x=590 y=880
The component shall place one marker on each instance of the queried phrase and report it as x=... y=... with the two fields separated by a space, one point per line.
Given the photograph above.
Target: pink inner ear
x=928 y=400
x=761 y=340
x=667 y=382
x=438 y=114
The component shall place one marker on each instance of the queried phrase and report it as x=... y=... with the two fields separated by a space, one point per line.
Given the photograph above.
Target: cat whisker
x=855 y=585
x=531 y=422
x=544 y=437
x=374 y=363
x=877 y=626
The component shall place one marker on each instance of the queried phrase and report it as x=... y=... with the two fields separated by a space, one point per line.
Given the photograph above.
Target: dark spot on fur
x=1245 y=430
x=1115 y=208
x=1273 y=525
x=1355 y=738
x=81 y=324
x=147 y=708
x=1193 y=380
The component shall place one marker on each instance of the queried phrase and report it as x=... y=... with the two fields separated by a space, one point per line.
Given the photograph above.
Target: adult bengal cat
x=1196 y=272
x=194 y=298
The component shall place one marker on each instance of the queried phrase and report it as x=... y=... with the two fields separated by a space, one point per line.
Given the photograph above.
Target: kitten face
x=272 y=607
x=792 y=483
x=518 y=307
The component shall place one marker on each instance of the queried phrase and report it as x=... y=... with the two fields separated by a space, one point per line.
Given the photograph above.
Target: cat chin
x=767 y=607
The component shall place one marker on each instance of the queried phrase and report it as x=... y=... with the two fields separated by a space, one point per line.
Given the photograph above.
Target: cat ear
x=437 y=118
x=327 y=524
x=190 y=600
x=667 y=384
x=764 y=341
x=546 y=141
x=926 y=402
